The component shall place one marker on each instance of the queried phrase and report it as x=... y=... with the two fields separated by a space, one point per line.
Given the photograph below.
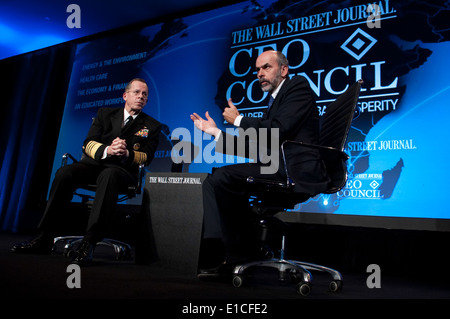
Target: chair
x=272 y=197
x=121 y=249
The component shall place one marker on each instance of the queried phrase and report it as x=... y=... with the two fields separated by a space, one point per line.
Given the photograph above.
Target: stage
x=44 y=277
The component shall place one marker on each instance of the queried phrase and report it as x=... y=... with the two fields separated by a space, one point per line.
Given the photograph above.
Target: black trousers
x=226 y=207
x=110 y=181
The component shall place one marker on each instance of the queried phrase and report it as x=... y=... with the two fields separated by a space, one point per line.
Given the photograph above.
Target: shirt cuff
x=217 y=135
x=105 y=153
x=237 y=120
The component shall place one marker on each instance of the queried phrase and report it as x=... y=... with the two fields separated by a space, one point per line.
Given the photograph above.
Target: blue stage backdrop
x=397 y=142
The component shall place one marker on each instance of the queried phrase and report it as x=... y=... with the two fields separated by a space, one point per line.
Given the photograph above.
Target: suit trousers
x=109 y=181
x=227 y=211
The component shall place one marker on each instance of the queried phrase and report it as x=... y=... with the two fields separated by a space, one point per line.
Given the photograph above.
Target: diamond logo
x=374 y=184
x=358 y=44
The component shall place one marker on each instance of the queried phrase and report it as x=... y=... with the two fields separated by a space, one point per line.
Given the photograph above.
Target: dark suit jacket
x=295 y=114
x=141 y=136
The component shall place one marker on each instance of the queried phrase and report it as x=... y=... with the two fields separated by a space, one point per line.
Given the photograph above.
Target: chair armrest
x=326 y=149
x=289 y=182
x=65 y=157
x=323 y=149
x=140 y=178
x=266 y=182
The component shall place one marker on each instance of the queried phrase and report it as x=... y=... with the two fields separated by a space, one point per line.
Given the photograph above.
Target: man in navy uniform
x=119 y=140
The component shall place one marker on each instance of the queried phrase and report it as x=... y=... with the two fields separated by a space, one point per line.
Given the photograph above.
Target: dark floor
x=37 y=277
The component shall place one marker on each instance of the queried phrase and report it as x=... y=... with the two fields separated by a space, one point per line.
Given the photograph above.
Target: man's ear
x=284 y=71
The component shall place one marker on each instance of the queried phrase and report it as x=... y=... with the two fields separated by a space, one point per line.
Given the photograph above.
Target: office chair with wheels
x=121 y=249
x=272 y=197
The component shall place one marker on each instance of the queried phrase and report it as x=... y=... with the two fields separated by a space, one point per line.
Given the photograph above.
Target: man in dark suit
x=292 y=115
x=119 y=140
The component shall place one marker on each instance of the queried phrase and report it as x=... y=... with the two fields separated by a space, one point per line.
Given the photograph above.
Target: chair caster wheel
x=238 y=281
x=68 y=250
x=69 y=253
x=304 y=288
x=335 y=286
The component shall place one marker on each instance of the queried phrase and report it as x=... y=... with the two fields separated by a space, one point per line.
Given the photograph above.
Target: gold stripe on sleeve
x=139 y=157
x=91 y=148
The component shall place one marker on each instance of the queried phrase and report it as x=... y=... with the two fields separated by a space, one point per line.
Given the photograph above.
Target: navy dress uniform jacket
x=141 y=136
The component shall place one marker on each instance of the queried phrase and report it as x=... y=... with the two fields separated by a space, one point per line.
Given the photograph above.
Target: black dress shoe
x=84 y=253
x=38 y=245
x=223 y=271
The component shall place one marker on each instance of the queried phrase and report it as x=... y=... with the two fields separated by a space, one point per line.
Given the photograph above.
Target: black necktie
x=270 y=103
x=127 y=122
